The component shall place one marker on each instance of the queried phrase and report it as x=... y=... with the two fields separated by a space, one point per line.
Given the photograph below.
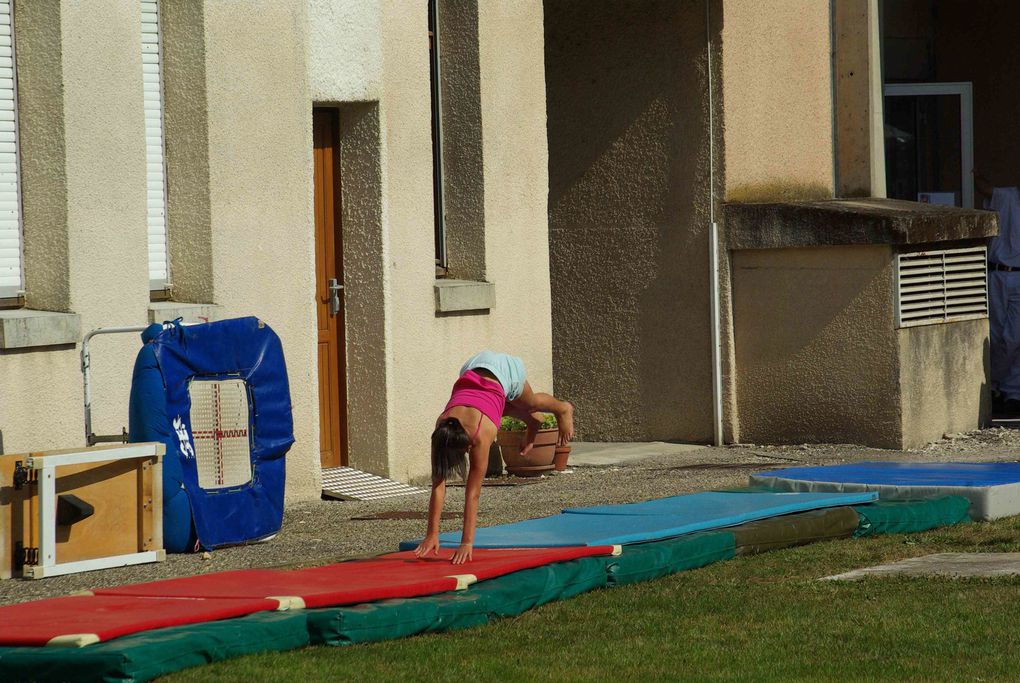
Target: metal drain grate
x=347 y=483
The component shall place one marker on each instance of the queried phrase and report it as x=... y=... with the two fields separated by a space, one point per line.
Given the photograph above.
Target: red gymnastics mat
x=79 y=620
x=396 y=575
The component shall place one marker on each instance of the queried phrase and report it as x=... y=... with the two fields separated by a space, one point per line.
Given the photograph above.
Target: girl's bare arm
x=479 y=462
x=430 y=544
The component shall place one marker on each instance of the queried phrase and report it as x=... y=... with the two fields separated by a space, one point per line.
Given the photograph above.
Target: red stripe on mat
x=111 y=616
x=397 y=575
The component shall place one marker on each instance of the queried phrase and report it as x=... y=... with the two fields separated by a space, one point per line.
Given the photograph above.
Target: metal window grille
x=220 y=429
x=941 y=286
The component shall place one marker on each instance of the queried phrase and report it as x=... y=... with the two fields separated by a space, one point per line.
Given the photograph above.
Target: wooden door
x=329 y=310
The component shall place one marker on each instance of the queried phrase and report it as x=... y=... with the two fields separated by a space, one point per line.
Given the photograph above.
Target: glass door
x=929 y=149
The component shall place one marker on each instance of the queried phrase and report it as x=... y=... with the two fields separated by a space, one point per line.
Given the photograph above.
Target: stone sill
x=848 y=222
x=164 y=311
x=454 y=296
x=23 y=328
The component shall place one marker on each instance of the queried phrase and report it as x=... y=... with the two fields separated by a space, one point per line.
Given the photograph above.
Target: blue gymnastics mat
x=724 y=505
x=993 y=488
x=700 y=512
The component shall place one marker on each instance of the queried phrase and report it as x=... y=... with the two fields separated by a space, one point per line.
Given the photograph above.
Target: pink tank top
x=474 y=391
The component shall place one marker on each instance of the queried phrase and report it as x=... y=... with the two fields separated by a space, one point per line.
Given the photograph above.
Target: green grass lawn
x=753 y=618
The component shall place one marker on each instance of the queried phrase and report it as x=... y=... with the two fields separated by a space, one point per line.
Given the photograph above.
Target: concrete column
x=42 y=143
x=186 y=124
x=777 y=94
x=857 y=74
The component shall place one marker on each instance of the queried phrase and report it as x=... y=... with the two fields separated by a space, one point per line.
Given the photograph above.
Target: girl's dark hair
x=449 y=445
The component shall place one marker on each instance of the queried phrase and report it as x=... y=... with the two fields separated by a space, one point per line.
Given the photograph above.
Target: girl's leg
x=531 y=401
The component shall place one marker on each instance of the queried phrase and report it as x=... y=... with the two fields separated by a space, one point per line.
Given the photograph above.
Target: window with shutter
x=152 y=79
x=11 y=280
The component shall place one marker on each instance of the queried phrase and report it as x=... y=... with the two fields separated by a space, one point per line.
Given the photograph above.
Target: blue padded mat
x=977 y=474
x=743 y=507
x=700 y=512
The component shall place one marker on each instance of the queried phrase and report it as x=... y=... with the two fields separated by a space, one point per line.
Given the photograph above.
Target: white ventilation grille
x=152 y=83
x=219 y=427
x=941 y=286
x=10 y=195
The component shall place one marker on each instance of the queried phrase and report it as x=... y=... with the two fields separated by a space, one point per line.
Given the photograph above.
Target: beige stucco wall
x=819 y=357
x=345 y=50
x=242 y=79
x=629 y=217
x=260 y=185
x=943 y=379
x=778 y=104
x=816 y=352
x=84 y=129
x=425 y=351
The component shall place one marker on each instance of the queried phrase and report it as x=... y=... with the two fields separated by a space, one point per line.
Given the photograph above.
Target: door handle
x=334 y=295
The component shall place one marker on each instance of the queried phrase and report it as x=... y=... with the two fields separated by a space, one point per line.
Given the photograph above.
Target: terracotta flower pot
x=542 y=452
x=535 y=471
x=560 y=459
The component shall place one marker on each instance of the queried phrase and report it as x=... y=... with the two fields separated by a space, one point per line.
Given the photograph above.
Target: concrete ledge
x=23 y=328
x=464 y=295
x=163 y=311
x=840 y=222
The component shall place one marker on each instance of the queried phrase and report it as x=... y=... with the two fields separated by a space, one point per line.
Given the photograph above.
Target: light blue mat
x=696 y=512
x=723 y=505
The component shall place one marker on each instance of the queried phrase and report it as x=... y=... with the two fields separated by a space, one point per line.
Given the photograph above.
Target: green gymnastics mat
x=148 y=655
x=904 y=517
x=793 y=530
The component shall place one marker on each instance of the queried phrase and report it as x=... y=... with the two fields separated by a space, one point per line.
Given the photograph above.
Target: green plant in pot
x=539 y=459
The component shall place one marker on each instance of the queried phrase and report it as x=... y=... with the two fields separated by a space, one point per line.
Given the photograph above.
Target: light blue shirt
x=508 y=370
x=1005 y=248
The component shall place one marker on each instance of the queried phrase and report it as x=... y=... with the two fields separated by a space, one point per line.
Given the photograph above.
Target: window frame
x=965 y=91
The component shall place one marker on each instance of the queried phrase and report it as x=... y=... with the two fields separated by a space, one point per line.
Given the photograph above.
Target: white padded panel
x=220 y=429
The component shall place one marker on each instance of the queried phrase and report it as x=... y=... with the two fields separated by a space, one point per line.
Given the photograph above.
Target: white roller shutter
x=152 y=79
x=10 y=191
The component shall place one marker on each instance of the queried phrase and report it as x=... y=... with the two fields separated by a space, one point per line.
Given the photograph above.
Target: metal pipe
x=86 y=371
x=713 y=249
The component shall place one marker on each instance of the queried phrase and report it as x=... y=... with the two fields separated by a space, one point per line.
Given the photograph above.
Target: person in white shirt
x=1004 y=296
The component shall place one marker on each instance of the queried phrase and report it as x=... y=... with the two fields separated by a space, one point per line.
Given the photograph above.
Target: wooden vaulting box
x=105 y=509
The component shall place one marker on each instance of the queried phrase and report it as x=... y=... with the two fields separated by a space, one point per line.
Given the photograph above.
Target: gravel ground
x=318 y=532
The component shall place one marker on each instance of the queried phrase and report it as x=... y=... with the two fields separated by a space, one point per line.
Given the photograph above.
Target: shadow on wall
x=627 y=106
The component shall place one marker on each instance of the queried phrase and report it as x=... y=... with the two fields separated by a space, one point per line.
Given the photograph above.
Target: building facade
x=297 y=147
x=716 y=272
x=675 y=210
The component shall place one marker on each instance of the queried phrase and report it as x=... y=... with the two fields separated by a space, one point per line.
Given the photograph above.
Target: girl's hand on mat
x=429 y=545
x=463 y=554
